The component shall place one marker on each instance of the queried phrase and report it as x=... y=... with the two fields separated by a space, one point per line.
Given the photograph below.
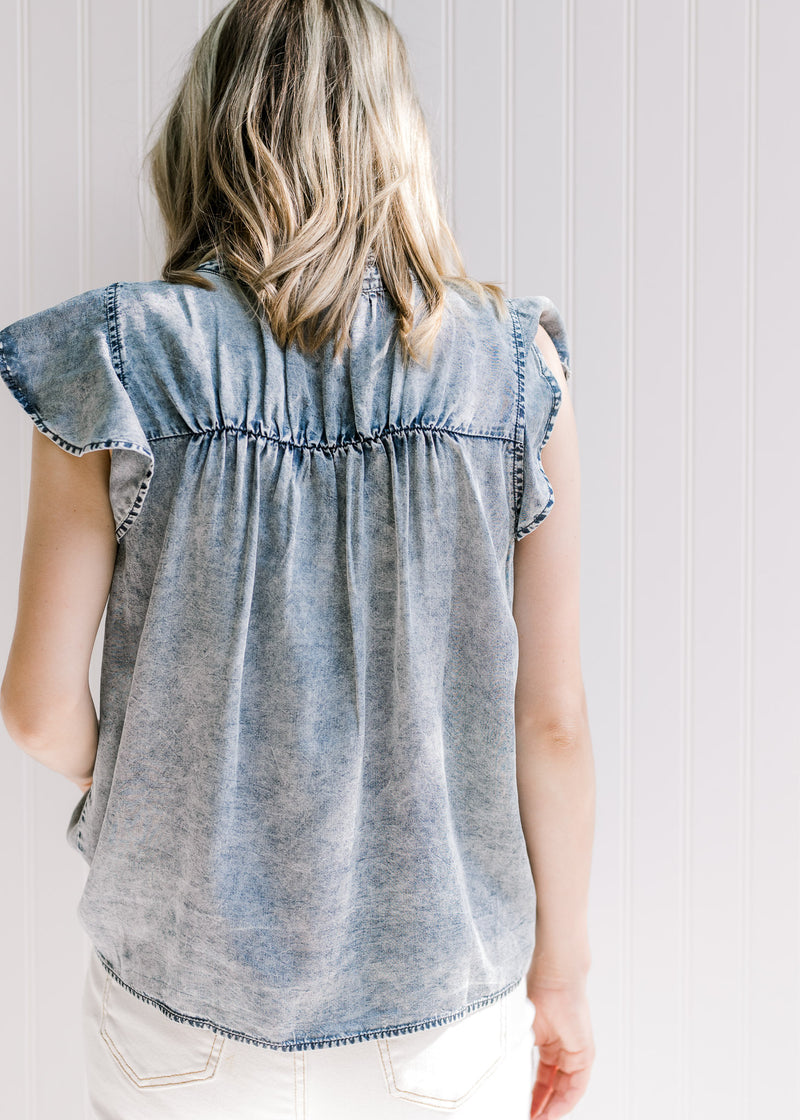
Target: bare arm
x=555 y=764
x=555 y=770
x=67 y=565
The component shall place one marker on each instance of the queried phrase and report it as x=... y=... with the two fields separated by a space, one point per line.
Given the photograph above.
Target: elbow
x=21 y=724
x=11 y=720
x=561 y=728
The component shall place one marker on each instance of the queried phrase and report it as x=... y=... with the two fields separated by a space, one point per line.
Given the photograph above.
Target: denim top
x=303 y=827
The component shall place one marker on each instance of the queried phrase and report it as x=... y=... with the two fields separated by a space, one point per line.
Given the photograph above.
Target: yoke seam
x=386 y=432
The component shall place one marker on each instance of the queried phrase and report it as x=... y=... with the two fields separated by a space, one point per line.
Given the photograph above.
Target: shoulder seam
x=519 y=421
x=113 y=331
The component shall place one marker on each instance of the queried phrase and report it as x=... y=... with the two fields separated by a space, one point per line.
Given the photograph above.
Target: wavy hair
x=296 y=152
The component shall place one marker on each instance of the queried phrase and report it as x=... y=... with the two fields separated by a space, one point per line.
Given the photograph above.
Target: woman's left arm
x=67 y=565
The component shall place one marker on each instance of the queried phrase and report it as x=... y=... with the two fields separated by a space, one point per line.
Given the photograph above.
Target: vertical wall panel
x=598 y=330
x=634 y=161
x=478 y=186
x=537 y=150
x=424 y=26
x=713 y=1043
x=114 y=155
x=55 y=159
x=16 y=1035
x=55 y=262
x=14 y=183
x=170 y=31
x=658 y=430
x=770 y=983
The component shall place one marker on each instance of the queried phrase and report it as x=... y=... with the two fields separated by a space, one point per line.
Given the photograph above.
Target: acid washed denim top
x=304 y=827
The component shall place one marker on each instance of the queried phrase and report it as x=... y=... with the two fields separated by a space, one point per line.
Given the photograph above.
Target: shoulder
x=545 y=335
x=81 y=307
x=89 y=310
x=548 y=351
x=72 y=330
x=150 y=303
x=154 y=294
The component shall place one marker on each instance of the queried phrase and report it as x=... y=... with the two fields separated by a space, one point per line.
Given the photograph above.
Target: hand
x=563 y=1034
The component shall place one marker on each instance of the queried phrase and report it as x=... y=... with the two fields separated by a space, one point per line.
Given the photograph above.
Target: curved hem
x=310 y=1043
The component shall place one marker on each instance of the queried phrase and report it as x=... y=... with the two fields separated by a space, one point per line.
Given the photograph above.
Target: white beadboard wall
x=636 y=161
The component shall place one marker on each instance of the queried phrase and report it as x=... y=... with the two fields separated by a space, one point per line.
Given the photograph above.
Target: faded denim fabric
x=304 y=825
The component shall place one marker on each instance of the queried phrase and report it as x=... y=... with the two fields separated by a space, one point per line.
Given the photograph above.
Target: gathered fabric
x=303 y=829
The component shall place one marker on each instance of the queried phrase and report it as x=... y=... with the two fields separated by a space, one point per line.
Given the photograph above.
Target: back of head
x=296 y=151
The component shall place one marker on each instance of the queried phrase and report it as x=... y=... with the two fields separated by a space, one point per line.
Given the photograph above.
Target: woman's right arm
x=555 y=768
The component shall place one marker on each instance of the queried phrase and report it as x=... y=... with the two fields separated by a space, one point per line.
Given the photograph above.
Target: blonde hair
x=296 y=152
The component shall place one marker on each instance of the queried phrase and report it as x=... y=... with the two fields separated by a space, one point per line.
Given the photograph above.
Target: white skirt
x=142 y=1064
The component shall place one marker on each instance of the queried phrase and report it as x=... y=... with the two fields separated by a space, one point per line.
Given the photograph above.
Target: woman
x=329 y=753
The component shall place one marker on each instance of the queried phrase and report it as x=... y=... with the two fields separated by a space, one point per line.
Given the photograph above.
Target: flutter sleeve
x=540 y=401
x=63 y=365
